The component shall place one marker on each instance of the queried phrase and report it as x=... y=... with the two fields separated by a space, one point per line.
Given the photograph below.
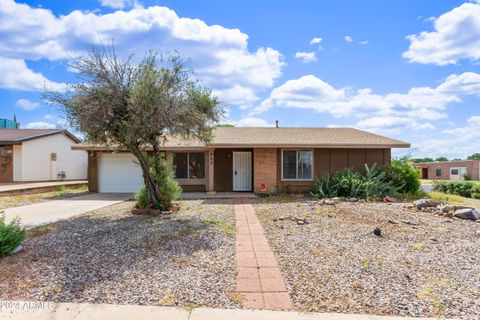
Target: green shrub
x=11 y=235
x=168 y=189
x=461 y=188
x=347 y=183
x=402 y=175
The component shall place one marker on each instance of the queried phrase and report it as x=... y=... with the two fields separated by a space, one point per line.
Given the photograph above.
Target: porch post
x=211 y=166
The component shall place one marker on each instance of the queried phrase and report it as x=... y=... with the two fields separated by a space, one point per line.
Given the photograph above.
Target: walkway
x=216 y=195
x=37 y=214
x=15 y=310
x=259 y=278
x=29 y=187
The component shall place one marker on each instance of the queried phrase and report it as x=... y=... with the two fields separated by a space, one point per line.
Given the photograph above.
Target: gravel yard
x=423 y=265
x=26 y=199
x=112 y=256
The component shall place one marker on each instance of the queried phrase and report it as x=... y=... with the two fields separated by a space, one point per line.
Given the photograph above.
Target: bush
x=461 y=188
x=11 y=235
x=168 y=189
x=347 y=183
x=403 y=176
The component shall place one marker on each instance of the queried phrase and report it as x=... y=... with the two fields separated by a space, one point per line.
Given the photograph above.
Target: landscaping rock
x=336 y=199
x=352 y=199
x=329 y=202
x=377 y=232
x=17 y=249
x=392 y=221
x=426 y=203
x=444 y=208
x=469 y=213
x=389 y=199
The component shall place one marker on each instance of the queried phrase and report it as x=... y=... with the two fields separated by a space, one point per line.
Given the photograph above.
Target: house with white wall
x=40 y=155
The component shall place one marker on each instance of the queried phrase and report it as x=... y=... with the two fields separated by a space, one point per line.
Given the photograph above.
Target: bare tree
x=136 y=106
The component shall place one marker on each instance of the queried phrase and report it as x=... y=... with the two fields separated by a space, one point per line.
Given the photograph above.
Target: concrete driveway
x=37 y=214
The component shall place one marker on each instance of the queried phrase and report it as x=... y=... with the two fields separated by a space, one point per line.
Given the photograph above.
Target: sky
x=406 y=69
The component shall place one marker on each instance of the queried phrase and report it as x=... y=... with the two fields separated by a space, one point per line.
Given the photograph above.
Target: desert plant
x=402 y=175
x=11 y=235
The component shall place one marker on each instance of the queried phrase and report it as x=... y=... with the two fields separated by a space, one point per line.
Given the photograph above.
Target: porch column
x=211 y=166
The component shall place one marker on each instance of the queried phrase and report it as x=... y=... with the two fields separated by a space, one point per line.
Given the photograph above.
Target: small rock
x=352 y=199
x=300 y=222
x=477 y=233
x=448 y=214
x=17 y=249
x=389 y=199
x=412 y=223
x=281 y=218
x=392 y=221
x=469 y=213
x=329 y=202
x=336 y=199
x=445 y=208
x=377 y=232
x=426 y=203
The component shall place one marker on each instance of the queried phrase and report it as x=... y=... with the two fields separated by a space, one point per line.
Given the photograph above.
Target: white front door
x=242 y=171
x=457 y=173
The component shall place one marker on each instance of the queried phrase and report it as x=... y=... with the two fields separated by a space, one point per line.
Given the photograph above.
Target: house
x=449 y=170
x=40 y=155
x=262 y=160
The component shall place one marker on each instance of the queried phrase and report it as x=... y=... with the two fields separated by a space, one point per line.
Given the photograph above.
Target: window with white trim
x=297 y=164
x=189 y=165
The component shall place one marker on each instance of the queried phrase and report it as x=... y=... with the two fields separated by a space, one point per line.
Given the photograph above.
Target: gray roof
x=17 y=136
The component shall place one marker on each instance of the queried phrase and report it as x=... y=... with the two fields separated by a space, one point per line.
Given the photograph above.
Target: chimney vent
x=276 y=123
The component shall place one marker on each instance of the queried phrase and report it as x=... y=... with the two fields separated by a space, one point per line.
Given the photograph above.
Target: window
x=297 y=164
x=189 y=165
x=454 y=172
x=438 y=172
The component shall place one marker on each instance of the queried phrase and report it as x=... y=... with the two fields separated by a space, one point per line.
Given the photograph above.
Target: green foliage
x=402 y=175
x=11 y=235
x=440 y=159
x=461 y=188
x=347 y=183
x=417 y=160
x=166 y=188
x=475 y=156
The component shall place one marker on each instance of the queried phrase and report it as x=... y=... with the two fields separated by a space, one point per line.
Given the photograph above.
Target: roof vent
x=276 y=123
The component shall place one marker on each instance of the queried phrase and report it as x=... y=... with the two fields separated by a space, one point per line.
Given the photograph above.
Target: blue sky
x=406 y=69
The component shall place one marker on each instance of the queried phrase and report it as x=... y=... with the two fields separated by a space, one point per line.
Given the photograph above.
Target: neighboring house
x=449 y=170
x=40 y=155
x=262 y=160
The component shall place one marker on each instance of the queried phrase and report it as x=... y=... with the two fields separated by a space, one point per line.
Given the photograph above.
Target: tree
x=417 y=160
x=440 y=159
x=475 y=156
x=136 y=106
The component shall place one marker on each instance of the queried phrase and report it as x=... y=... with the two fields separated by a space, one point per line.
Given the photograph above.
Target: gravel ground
x=26 y=199
x=423 y=265
x=112 y=256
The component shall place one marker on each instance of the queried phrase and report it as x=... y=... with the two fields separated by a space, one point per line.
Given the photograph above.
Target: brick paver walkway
x=259 y=278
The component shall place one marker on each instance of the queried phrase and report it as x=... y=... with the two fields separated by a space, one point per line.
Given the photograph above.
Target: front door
x=242 y=171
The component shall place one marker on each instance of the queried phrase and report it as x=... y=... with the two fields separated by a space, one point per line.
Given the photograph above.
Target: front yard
x=111 y=256
x=423 y=265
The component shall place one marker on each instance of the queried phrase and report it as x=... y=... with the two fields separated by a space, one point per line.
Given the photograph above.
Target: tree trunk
x=147 y=176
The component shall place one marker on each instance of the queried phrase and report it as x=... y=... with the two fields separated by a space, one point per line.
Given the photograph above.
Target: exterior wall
x=93 y=171
x=37 y=164
x=6 y=165
x=328 y=161
x=17 y=162
x=223 y=168
x=472 y=169
x=265 y=170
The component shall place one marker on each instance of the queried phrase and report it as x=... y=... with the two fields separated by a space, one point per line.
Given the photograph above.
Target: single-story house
x=449 y=170
x=40 y=155
x=262 y=160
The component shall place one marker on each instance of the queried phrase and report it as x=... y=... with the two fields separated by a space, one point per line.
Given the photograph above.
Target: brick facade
x=6 y=164
x=265 y=170
x=429 y=170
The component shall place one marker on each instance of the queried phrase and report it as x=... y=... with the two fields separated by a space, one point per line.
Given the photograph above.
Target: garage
x=119 y=172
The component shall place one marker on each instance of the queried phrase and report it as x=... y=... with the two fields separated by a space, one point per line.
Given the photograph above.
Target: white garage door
x=119 y=173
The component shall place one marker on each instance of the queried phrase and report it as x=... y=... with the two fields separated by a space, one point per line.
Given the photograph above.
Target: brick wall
x=6 y=164
x=265 y=170
x=471 y=166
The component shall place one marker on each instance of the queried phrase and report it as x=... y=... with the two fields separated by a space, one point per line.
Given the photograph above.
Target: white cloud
x=16 y=75
x=117 y=4
x=392 y=124
x=27 y=104
x=316 y=40
x=251 y=122
x=39 y=125
x=364 y=42
x=348 y=39
x=456 y=36
x=219 y=55
x=306 y=57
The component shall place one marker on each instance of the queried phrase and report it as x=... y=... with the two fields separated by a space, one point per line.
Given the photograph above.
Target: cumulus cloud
x=364 y=42
x=348 y=39
x=118 y=4
x=306 y=57
x=16 y=75
x=251 y=122
x=219 y=55
x=39 y=125
x=456 y=36
x=316 y=40
x=27 y=104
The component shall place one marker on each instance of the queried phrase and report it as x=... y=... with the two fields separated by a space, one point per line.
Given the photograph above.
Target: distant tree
x=225 y=125
x=439 y=159
x=417 y=160
x=475 y=156
x=135 y=106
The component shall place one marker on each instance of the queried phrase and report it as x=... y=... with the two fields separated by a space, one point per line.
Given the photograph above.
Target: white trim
x=300 y=149
x=249 y=172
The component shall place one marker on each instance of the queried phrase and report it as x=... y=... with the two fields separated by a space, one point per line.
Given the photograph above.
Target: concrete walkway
x=37 y=214
x=14 y=310
x=29 y=187
x=259 y=279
